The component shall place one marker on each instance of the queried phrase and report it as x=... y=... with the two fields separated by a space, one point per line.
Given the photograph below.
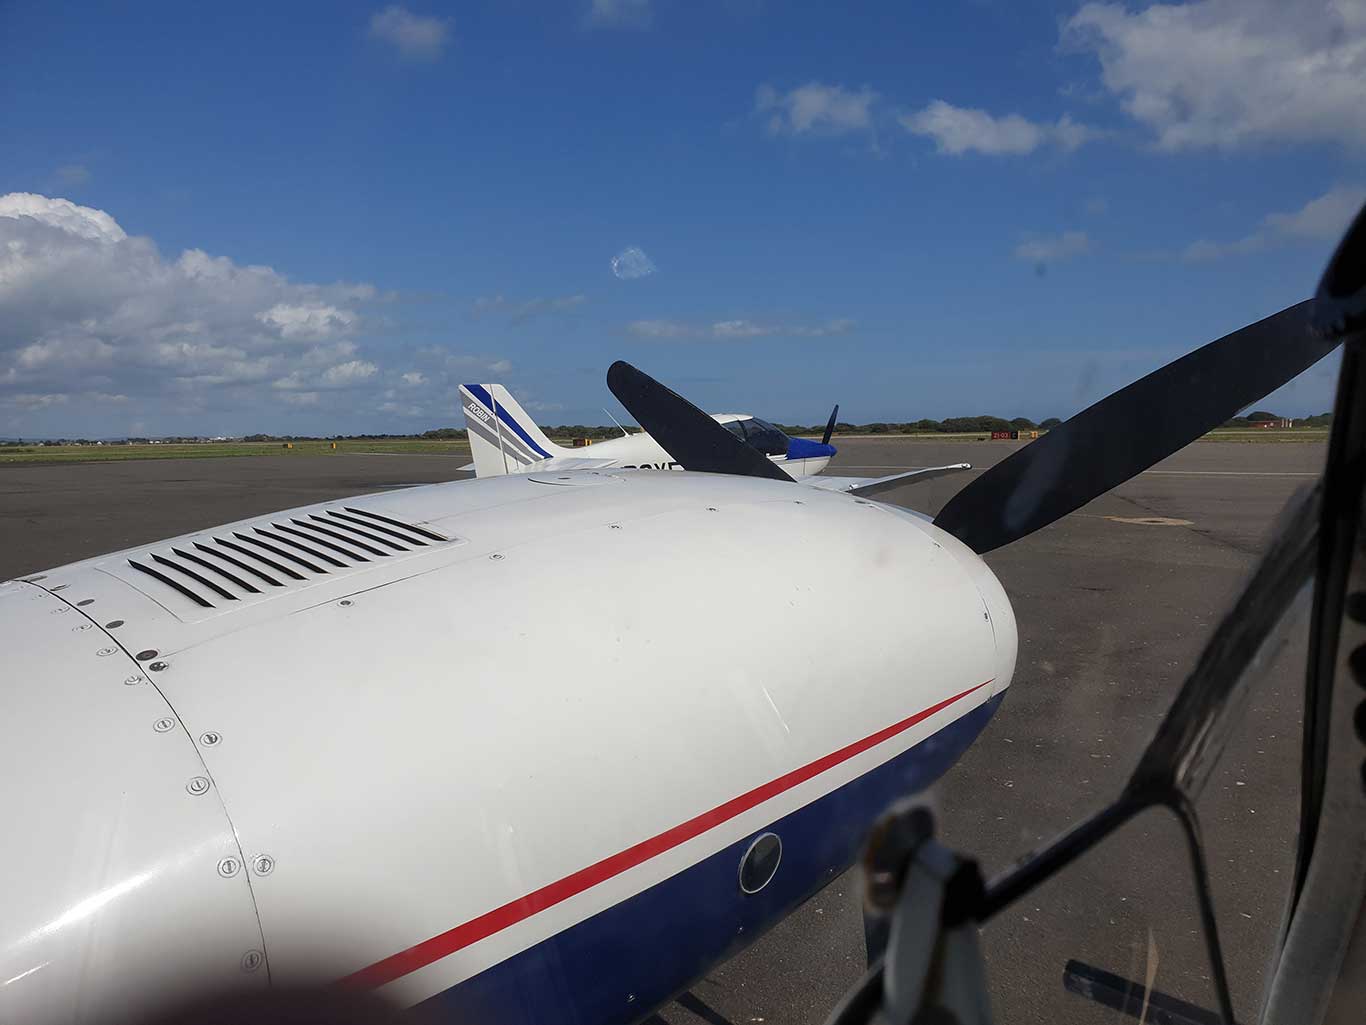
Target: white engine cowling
x=407 y=738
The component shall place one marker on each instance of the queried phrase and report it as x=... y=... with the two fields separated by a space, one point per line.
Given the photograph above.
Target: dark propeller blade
x=1127 y=432
x=1340 y=303
x=685 y=432
x=830 y=425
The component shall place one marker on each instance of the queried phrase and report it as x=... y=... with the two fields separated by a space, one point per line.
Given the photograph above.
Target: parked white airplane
x=537 y=748
x=504 y=439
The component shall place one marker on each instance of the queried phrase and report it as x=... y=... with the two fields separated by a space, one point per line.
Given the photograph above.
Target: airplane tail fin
x=503 y=438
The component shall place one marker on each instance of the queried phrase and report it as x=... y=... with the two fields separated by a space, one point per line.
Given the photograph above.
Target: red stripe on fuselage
x=428 y=951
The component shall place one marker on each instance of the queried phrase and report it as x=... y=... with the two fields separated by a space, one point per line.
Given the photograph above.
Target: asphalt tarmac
x=1113 y=604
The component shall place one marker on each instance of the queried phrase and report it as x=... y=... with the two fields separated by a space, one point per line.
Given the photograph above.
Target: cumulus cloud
x=1227 y=73
x=1322 y=219
x=414 y=36
x=92 y=319
x=81 y=221
x=815 y=109
x=352 y=372
x=521 y=310
x=625 y=14
x=736 y=329
x=959 y=130
x=342 y=375
x=1050 y=249
x=84 y=305
x=313 y=320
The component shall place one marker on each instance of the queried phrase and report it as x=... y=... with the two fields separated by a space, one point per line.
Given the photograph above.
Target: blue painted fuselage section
x=621 y=963
x=804 y=448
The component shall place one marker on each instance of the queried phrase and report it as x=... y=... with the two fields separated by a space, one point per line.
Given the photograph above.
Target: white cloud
x=519 y=311
x=620 y=14
x=1069 y=134
x=313 y=320
x=340 y=376
x=816 y=109
x=84 y=308
x=345 y=375
x=740 y=329
x=409 y=411
x=427 y=397
x=415 y=37
x=1051 y=249
x=959 y=130
x=1227 y=73
x=81 y=221
x=91 y=319
x=632 y=263
x=1322 y=219
x=735 y=329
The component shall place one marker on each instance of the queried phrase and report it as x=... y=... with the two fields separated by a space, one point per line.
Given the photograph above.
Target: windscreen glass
x=456 y=693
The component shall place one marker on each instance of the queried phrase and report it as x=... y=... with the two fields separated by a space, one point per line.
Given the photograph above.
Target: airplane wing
x=865 y=486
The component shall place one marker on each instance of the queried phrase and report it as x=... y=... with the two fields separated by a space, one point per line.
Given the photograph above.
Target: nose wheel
x=920 y=926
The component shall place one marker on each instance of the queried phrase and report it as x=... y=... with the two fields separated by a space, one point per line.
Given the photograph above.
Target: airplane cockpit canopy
x=759 y=434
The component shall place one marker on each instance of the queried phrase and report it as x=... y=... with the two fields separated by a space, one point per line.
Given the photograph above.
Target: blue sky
x=322 y=217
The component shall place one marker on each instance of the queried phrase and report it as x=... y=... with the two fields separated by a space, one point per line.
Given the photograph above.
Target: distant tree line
x=951 y=425
x=564 y=432
x=1262 y=416
x=47 y=442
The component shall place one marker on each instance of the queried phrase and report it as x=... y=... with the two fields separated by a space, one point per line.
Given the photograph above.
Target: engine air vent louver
x=169 y=581
x=226 y=569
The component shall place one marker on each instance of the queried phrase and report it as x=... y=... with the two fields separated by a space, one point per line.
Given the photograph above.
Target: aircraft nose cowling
x=804 y=448
x=995 y=603
x=123 y=886
x=998 y=611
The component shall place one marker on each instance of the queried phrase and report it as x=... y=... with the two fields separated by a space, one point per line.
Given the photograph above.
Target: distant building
x=1283 y=422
